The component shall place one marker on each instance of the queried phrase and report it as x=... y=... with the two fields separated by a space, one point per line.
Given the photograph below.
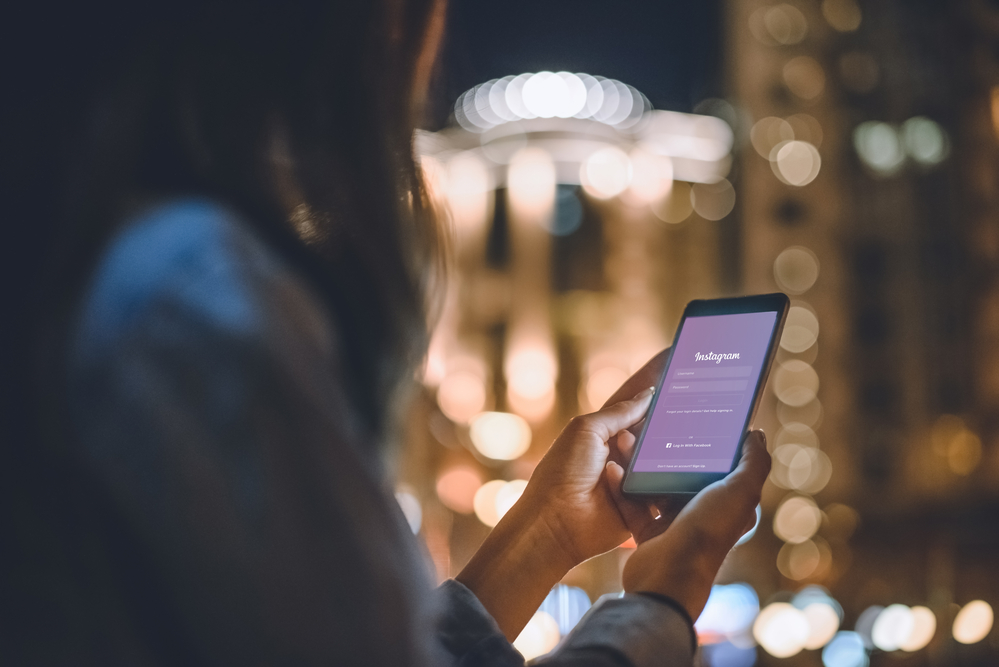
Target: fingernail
x=645 y=393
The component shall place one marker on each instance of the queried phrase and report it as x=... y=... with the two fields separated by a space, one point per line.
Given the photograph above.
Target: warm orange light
x=973 y=622
x=456 y=488
x=797 y=519
x=461 y=395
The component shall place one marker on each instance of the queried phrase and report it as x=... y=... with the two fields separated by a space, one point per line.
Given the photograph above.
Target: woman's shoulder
x=196 y=260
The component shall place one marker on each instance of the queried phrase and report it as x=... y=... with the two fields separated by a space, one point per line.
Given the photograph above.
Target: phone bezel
x=689 y=483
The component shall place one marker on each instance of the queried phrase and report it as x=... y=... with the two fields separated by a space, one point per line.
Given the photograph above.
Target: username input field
x=713 y=372
x=683 y=387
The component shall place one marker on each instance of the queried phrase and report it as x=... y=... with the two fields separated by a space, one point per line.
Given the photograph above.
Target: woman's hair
x=298 y=114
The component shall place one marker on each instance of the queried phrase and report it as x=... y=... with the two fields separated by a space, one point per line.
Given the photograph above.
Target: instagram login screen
x=707 y=394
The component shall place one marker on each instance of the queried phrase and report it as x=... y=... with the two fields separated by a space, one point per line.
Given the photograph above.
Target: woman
x=214 y=310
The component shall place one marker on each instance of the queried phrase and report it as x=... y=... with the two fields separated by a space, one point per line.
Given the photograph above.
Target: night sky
x=668 y=49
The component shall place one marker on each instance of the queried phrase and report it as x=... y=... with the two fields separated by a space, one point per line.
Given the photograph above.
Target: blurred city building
x=853 y=164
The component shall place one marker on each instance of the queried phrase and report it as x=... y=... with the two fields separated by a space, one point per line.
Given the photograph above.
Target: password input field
x=684 y=387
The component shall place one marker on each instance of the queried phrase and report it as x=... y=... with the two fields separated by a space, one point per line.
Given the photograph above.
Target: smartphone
x=708 y=395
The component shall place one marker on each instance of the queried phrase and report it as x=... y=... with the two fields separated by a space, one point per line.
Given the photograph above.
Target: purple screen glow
x=707 y=394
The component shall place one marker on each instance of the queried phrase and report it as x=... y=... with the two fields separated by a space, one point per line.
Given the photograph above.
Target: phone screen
x=707 y=393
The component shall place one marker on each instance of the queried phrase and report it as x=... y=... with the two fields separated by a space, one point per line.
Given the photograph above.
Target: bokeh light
x=802 y=560
x=676 y=206
x=538 y=637
x=823 y=622
x=892 y=627
x=500 y=435
x=796 y=269
x=845 y=650
x=456 y=487
x=842 y=15
x=974 y=622
x=801 y=330
x=924 y=626
x=804 y=77
x=531 y=181
x=652 y=177
x=806 y=128
x=606 y=173
x=462 y=395
x=781 y=24
x=567 y=605
x=601 y=385
x=809 y=414
x=925 y=141
x=797 y=519
x=508 y=496
x=729 y=612
x=795 y=433
x=713 y=201
x=484 y=502
x=795 y=382
x=781 y=630
x=879 y=147
x=795 y=163
x=800 y=468
x=768 y=132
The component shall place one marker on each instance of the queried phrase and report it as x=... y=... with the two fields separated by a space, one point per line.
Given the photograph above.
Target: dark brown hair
x=296 y=110
x=297 y=114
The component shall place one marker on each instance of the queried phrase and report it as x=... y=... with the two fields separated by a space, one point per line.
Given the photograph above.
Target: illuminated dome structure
x=574 y=118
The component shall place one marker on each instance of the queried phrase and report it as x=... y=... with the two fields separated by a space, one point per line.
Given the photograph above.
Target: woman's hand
x=568 y=512
x=569 y=489
x=681 y=559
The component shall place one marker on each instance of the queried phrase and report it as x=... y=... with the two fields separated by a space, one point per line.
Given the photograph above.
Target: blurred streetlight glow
x=797 y=519
x=729 y=612
x=781 y=630
x=879 y=147
x=924 y=626
x=606 y=173
x=713 y=201
x=485 y=502
x=823 y=622
x=652 y=176
x=796 y=383
x=456 y=488
x=842 y=15
x=601 y=384
x=500 y=435
x=508 y=496
x=538 y=637
x=800 y=331
x=845 y=650
x=531 y=181
x=795 y=163
x=925 y=141
x=462 y=395
x=768 y=132
x=676 y=206
x=892 y=627
x=796 y=269
x=974 y=622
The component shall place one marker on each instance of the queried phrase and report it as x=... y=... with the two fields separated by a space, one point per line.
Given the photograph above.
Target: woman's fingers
x=610 y=421
x=754 y=467
x=637 y=515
